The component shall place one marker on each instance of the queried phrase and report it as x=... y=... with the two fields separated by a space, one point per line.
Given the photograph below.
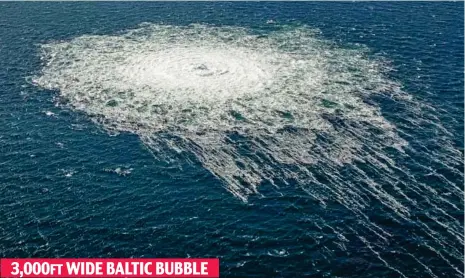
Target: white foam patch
x=251 y=108
x=203 y=83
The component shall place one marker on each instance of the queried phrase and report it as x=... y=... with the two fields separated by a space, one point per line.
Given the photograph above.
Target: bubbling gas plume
x=204 y=85
x=253 y=109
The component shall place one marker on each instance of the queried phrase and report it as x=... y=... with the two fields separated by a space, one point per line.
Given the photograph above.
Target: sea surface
x=306 y=139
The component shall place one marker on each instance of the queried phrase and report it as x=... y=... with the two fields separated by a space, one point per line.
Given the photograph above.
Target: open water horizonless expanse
x=287 y=139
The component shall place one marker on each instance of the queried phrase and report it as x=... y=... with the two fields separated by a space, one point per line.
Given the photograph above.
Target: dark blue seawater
x=69 y=189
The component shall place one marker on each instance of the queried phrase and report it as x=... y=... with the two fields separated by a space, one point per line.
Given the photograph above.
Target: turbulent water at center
x=285 y=108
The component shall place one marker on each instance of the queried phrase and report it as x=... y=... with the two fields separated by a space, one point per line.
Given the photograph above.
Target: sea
x=287 y=139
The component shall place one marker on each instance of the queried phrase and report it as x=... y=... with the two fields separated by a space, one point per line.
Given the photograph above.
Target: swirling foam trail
x=260 y=109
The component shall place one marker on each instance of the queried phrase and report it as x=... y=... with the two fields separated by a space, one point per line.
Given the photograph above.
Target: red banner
x=109 y=268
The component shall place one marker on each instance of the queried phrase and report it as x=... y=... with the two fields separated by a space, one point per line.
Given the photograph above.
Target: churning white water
x=252 y=108
x=202 y=84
